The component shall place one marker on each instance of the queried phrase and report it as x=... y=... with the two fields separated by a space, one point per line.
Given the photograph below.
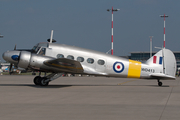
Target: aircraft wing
x=65 y=65
x=162 y=76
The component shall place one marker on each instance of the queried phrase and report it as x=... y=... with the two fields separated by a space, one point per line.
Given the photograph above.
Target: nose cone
x=11 y=56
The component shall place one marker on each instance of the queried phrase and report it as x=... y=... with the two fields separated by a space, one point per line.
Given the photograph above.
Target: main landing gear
x=159 y=82
x=44 y=81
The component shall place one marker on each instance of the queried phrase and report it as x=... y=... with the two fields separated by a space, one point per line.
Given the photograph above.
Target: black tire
x=160 y=83
x=42 y=82
x=37 y=80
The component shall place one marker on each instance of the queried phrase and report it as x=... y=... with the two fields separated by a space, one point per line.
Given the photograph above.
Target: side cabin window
x=60 y=56
x=70 y=57
x=80 y=59
x=101 y=62
x=90 y=60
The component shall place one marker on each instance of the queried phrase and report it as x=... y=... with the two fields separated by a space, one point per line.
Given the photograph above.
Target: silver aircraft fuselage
x=60 y=58
x=96 y=63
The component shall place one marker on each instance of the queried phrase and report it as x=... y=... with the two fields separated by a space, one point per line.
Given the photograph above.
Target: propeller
x=10 y=68
x=15 y=47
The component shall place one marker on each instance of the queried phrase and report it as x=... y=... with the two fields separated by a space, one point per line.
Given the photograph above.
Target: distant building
x=141 y=56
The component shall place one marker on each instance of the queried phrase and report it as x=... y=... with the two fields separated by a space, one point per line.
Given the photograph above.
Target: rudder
x=170 y=63
x=165 y=61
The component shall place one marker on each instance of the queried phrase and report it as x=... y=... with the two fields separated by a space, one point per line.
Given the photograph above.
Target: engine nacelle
x=37 y=61
x=34 y=61
x=24 y=59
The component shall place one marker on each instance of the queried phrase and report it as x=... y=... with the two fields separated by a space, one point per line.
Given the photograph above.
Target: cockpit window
x=42 y=44
x=36 y=48
x=42 y=51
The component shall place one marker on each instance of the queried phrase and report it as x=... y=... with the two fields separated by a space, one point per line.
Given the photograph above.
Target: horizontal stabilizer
x=162 y=76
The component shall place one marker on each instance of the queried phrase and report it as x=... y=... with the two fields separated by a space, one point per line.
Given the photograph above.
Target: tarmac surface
x=88 y=98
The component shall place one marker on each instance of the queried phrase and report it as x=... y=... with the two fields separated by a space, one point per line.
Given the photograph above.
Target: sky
x=87 y=24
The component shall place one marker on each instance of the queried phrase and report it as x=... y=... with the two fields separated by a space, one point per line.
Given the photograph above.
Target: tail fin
x=164 y=63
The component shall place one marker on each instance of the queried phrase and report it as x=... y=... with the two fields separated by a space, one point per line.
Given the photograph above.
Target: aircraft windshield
x=41 y=51
x=37 y=47
x=34 y=49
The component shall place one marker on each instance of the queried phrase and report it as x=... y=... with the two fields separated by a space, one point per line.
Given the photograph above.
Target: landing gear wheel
x=160 y=83
x=37 y=80
x=43 y=81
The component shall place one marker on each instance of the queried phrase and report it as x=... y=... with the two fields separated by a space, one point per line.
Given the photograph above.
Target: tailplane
x=164 y=63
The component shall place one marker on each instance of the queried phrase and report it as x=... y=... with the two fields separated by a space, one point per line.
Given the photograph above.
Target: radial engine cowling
x=24 y=59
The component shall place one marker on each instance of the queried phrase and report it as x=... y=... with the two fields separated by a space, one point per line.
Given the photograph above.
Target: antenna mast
x=51 y=36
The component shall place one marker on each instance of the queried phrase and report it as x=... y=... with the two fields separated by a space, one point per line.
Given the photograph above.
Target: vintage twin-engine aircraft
x=60 y=59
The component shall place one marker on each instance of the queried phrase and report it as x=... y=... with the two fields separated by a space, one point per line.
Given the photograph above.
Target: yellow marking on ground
x=126 y=82
x=134 y=69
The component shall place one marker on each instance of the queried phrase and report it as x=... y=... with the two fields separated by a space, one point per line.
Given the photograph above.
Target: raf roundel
x=118 y=67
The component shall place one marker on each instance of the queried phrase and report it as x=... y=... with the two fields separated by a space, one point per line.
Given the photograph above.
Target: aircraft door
x=101 y=65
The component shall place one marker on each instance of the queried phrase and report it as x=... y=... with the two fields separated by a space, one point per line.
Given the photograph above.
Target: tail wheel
x=37 y=80
x=160 y=83
x=44 y=82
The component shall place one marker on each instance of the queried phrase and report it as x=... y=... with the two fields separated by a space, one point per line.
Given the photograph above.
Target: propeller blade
x=10 y=69
x=15 y=47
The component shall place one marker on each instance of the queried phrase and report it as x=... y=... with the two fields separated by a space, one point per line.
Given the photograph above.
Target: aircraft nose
x=11 y=56
x=5 y=56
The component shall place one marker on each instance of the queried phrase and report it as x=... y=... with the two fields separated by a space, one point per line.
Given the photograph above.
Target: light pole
x=1 y=36
x=150 y=45
x=164 y=26
x=112 y=28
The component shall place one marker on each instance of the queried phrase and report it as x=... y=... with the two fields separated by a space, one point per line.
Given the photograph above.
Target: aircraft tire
x=160 y=83
x=42 y=82
x=37 y=80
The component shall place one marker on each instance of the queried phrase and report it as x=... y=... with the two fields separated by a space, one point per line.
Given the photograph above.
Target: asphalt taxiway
x=88 y=98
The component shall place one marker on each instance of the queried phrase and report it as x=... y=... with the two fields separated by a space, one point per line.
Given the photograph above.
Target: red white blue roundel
x=118 y=67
